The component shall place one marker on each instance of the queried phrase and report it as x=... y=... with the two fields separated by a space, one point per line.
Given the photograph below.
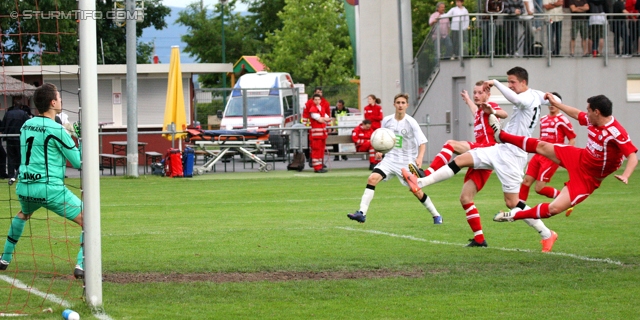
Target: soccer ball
x=383 y=140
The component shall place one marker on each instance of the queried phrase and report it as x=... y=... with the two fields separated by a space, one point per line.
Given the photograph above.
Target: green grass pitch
x=278 y=245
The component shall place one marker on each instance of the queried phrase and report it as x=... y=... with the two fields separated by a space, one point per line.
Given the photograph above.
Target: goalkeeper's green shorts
x=56 y=198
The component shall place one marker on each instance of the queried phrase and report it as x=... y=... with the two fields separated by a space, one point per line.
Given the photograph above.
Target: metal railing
x=544 y=36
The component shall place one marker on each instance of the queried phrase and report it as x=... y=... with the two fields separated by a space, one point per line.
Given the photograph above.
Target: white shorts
x=508 y=166
x=391 y=169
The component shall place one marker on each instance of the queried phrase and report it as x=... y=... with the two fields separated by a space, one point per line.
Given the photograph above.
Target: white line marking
x=570 y=255
x=102 y=316
x=20 y=285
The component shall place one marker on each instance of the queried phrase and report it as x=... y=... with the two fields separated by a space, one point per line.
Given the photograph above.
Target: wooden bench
x=111 y=161
x=336 y=140
x=153 y=156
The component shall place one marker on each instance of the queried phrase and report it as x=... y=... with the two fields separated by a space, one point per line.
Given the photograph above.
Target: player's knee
x=23 y=216
x=511 y=203
x=465 y=198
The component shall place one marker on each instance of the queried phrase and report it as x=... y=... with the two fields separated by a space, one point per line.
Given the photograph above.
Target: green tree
x=50 y=37
x=204 y=39
x=264 y=19
x=313 y=44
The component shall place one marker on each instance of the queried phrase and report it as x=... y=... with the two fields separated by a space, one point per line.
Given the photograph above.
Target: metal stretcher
x=246 y=142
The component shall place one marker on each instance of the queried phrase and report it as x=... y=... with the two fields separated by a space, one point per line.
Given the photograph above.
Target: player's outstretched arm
x=472 y=106
x=568 y=110
x=508 y=94
x=632 y=162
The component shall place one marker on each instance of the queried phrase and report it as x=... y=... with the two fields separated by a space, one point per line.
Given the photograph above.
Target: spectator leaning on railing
x=459 y=26
x=443 y=28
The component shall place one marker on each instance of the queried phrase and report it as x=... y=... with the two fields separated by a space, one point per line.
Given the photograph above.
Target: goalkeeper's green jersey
x=45 y=147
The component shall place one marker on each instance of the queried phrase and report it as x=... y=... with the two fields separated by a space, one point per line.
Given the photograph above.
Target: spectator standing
x=596 y=25
x=634 y=26
x=339 y=111
x=526 y=19
x=361 y=136
x=318 y=118
x=619 y=28
x=459 y=27
x=12 y=122
x=579 y=25
x=443 y=29
x=513 y=9
x=554 y=8
x=373 y=112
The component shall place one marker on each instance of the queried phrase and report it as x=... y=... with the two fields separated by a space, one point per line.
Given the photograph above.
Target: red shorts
x=580 y=184
x=475 y=145
x=478 y=176
x=541 y=168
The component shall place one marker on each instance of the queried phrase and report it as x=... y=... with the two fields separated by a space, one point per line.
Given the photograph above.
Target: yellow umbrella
x=174 y=109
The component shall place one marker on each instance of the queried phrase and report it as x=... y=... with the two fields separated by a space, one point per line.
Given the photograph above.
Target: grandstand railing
x=503 y=36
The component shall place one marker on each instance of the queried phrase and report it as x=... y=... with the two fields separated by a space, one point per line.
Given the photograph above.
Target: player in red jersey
x=607 y=145
x=554 y=128
x=475 y=179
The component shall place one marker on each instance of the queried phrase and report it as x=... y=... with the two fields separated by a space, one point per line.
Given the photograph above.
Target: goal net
x=37 y=38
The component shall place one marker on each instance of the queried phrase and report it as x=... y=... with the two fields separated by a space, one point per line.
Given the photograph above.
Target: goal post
x=90 y=159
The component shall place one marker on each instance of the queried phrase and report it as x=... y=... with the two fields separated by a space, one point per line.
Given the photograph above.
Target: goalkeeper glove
x=77 y=129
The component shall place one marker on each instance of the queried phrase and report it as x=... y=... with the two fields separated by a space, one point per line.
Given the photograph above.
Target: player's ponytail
x=376 y=99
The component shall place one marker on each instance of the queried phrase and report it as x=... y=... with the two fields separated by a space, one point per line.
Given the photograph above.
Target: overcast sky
x=182 y=3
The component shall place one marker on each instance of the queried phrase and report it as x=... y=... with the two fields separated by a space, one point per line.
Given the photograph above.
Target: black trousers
x=13 y=157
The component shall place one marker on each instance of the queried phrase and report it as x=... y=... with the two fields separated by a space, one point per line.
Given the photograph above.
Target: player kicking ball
x=409 y=148
x=475 y=179
x=607 y=145
x=506 y=161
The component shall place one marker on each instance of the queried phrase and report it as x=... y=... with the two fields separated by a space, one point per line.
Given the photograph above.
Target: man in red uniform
x=607 y=145
x=361 y=136
x=319 y=116
x=475 y=179
x=324 y=103
x=554 y=128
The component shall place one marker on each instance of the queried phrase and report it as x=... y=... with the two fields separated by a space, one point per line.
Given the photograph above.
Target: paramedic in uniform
x=318 y=118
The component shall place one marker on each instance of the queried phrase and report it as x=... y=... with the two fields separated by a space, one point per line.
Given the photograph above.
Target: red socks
x=548 y=192
x=540 y=211
x=442 y=158
x=524 y=193
x=473 y=219
x=524 y=143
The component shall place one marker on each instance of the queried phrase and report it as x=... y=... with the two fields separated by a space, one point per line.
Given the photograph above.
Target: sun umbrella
x=174 y=109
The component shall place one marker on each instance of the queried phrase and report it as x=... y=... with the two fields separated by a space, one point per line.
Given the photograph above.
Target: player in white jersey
x=409 y=148
x=507 y=162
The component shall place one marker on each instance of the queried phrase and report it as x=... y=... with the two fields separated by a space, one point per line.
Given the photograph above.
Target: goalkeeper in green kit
x=45 y=147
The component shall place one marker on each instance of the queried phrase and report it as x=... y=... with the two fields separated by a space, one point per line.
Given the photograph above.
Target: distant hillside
x=168 y=37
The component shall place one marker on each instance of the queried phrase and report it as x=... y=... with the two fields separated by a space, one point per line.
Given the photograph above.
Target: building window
x=633 y=88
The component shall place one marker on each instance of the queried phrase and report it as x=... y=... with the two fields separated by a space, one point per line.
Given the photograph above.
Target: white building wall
x=574 y=79
x=379 y=55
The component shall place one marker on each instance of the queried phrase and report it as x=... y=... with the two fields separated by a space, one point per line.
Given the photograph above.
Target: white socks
x=441 y=174
x=432 y=209
x=366 y=200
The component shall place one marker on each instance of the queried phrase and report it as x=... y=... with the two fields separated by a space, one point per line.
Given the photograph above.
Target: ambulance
x=270 y=103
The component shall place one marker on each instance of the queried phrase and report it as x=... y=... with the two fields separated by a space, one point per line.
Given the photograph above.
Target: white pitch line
x=570 y=255
x=20 y=285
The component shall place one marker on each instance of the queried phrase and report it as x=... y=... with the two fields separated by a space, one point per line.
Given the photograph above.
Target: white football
x=383 y=140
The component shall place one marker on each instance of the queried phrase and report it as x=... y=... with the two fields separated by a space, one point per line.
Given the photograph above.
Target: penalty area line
x=21 y=285
x=569 y=255
x=51 y=297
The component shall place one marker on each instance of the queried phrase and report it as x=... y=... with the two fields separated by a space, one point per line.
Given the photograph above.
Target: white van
x=271 y=103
